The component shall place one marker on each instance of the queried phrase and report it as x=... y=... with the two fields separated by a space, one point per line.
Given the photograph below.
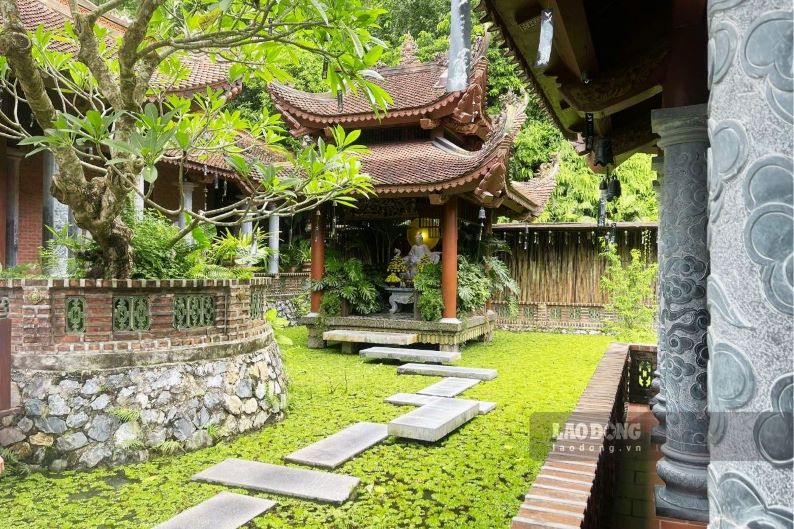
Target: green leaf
x=149 y=173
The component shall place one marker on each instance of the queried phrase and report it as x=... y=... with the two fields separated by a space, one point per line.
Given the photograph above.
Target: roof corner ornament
x=459 y=46
x=546 y=38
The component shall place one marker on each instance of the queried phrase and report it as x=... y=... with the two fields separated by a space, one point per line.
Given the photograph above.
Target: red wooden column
x=318 y=256
x=449 y=261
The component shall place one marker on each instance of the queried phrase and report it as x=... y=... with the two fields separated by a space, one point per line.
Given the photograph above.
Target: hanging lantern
x=325 y=67
x=481 y=216
x=340 y=101
x=215 y=182
x=536 y=238
x=526 y=236
x=225 y=187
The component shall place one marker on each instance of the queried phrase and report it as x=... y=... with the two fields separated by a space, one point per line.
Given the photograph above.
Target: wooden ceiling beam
x=573 y=42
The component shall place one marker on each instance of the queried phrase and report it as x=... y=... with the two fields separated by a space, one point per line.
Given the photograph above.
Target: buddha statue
x=419 y=250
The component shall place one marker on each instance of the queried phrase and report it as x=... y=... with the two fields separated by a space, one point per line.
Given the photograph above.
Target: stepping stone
x=340 y=447
x=449 y=387
x=412 y=399
x=277 y=479
x=223 y=511
x=386 y=338
x=433 y=421
x=410 y=355
x=448 y=371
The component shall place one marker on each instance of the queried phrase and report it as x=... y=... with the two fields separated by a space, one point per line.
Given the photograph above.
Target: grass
x=473 y=479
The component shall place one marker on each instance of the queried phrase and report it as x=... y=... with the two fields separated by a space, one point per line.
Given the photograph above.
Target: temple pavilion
x=439 y=164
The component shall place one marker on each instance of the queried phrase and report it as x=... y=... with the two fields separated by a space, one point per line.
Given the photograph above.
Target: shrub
x=428 y=285
x=347 y=279
x=631 y=295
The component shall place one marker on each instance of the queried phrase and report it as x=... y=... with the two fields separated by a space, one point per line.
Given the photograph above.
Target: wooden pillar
x=449 y=261
x=318 y=256
x=488 y=234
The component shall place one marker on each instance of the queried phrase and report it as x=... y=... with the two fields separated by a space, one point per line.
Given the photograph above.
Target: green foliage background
x=474 y=479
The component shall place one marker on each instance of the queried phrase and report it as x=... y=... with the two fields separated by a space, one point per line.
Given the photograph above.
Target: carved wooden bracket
x=492 y=186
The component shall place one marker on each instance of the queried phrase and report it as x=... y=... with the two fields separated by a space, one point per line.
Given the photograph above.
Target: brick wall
x=37 y=309
x=576 y=482
x=30 y=209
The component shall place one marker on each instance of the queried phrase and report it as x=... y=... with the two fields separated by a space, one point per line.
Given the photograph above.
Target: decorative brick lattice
x=555 y=313
x=5 y=307
x=575 y=313
x=194 y=310
x=75 y=315
x=131 y=313
x=257 y=310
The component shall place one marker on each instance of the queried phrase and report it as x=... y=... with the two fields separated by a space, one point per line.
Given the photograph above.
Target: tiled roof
x=53 y=14
x=411 y=87
x=417 y=90
x=539 y=189
x=215 y=163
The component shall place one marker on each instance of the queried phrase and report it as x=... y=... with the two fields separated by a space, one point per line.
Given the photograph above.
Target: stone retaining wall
x=136 y=368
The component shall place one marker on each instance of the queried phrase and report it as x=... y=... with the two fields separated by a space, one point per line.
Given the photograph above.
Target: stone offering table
x=401 y=296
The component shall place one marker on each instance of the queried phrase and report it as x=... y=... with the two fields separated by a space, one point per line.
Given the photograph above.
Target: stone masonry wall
x=110 y=372
x=118 y=416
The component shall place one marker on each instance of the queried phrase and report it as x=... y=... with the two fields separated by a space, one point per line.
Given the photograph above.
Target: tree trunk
x=116 y=246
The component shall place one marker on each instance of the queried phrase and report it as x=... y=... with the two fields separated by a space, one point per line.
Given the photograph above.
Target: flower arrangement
x=396 y=266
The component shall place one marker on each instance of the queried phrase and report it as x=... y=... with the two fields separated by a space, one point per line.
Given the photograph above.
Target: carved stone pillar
x=274 y=235
x=459 y=45
x=751 y=384
x=657 y=403
x=13 y=160
x=187 y=201
x=683 y=316
x=55 y=214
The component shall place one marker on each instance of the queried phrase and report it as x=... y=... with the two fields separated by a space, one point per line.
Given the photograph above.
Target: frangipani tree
x=109 y=105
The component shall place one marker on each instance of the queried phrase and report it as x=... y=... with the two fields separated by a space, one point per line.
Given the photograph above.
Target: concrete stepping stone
x=410 y=355
x=449 y=387
x=223 y=511
x=433 y=421
x=277 y=479
x=341 y=446
x=383 y=338
x=448 y=371
x=413 y=399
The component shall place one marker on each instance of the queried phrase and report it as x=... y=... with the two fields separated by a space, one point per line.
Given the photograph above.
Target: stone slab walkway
x=435 y=420
x=478 y=373
x=414 y=399
x=449 y=387
x=383 y=338
x=410 y=355
x=223 y=511
x=288 y=481
x=341 y=446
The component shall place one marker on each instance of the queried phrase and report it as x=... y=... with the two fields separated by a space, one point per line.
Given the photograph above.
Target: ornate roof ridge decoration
x=419 y=94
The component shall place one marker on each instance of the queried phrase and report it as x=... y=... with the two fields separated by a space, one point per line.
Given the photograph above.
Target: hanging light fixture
x=481 y=216
x=526 y=236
